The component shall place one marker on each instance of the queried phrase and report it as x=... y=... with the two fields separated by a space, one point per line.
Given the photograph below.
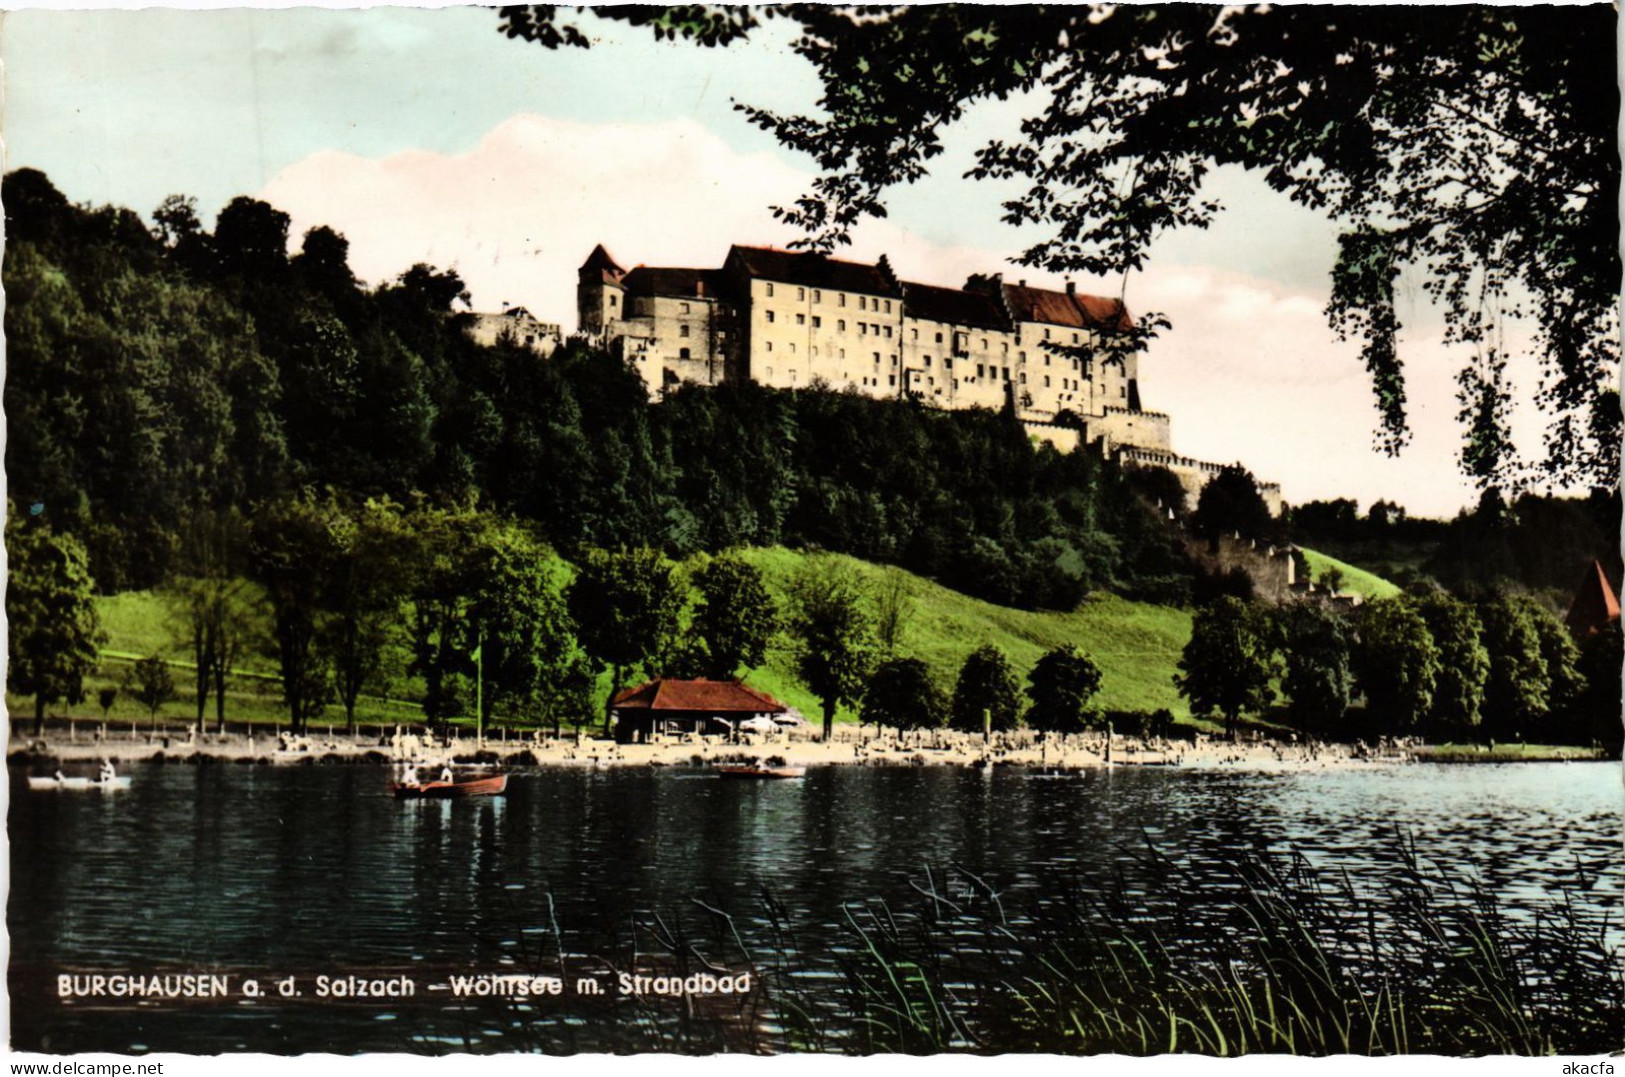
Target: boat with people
x=762 y=771
x=447 y=786
x=106 y=780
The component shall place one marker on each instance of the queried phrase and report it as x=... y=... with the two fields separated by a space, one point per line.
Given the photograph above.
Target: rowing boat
x=475 y=787
x=74 y=784
x=761 y=772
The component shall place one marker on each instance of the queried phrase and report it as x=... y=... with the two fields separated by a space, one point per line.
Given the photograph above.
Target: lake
x=254 y=873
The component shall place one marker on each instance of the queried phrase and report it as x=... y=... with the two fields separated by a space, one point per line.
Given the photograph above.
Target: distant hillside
x=1355 y=581
x=1135 y=644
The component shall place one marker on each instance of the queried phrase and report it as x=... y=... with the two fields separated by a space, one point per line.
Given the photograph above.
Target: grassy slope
x=1355 y=580
x=1136 y=645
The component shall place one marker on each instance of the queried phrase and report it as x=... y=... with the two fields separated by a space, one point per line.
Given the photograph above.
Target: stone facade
x=518 y=326
x=788 y=320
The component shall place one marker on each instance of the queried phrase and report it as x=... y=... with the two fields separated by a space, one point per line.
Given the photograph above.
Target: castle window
x=1023 y=377
x=818 y=323
x=801 y=319
x=894 y=360
x=769 y=345
x=1006 y=373
x=863 y=329
x=1046 y=334
x=818 y=297
x=612 y=299
x=863 y=302
x=1046 y=381
x=984 y=344
x=888 y=306
x=877 y=358
x=1046 y=359
x=792 y=377
x=928 y=361
x=843 y=353
x=769 y=315
x=840 y=325
x=801 y=294
x=980 y=370
x=682 y=353
x=1021 y=356
x=947 y=363
x=939 y=338
x=1074 y=338
x=682 y=330
x=1004 y=347
x=842 y=300
x=914 y=334
x=682 y=308
x=813 y=351
x=891 y=379
x=888 y=332
x=792 y=348
x=1121 y=391
x=770 y=289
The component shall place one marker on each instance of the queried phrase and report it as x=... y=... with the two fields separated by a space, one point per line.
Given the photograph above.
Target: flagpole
x=479 y=690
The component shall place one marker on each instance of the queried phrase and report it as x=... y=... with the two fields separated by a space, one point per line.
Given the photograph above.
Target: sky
x=426 y=136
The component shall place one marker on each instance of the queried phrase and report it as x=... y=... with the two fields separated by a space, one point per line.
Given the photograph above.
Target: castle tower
x=600 y=295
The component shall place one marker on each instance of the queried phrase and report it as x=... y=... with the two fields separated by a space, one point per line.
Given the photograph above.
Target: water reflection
x=294 y=871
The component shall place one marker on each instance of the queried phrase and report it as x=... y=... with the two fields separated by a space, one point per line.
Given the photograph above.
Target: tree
x=893 y=605
x=736 y=617
x=1227 y=664
x=1060 y=686
x=833 y=634
x=150 y=683
x=105 y=699
x=54 y=633
x=1473 y=146
x=902 y=694
x=1231 y=504
x=986 y=691
x=1517 y=691
x=292 y=546
x=1600 y=715
x=1395 y=664
x=368 y=578
x=1318 y=681
x=1464 y=663
x=625 y=606
x=209 y=601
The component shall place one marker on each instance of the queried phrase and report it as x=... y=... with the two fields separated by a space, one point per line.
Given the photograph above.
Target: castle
x=787 y=320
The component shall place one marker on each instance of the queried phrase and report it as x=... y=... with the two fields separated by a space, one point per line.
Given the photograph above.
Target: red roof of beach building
x=709 y=697
x=1594 y=607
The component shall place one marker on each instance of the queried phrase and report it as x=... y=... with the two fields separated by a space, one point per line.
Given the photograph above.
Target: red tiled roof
x=814 y=270
x=709 y=697
x=1594 y=607
x=1060 y=308
x=661 y=280
x=977 y=309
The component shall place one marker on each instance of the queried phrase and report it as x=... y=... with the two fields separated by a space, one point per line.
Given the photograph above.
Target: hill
x=1358 y=581
x=1136 y=645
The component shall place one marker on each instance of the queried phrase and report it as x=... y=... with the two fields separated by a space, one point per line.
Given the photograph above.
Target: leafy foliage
x=1231 y=504
x=1227 y=665
x=736 y=618
x=1464 y=663
x=903 y=694
x=986 y=694
x=1395 y=663
x=53 y=631
x=1317 y=680
x=1060 y=686
x=833 y=634
x=625 y=606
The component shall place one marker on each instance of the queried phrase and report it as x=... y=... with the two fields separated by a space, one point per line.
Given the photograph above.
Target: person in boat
x=446 y=775
x=409 y=776
x=106 y=774
x=59 y=776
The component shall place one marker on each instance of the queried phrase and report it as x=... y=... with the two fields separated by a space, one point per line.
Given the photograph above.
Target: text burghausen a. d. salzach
x=478 y=985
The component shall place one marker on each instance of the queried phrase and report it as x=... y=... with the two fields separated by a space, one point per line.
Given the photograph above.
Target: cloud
x=1249 y=372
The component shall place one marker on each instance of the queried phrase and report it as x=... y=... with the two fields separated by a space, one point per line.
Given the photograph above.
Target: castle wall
x=1192 y=474
x=956 y=366
x=1140 y=429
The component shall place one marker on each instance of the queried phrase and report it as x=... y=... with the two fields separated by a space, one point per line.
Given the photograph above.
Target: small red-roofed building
x=1595 y=606
x=676 y=706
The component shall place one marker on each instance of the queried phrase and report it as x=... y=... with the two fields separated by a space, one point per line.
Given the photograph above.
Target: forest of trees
x=158 y=375
x=202 y=413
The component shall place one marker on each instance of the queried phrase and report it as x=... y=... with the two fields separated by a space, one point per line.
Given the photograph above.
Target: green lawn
x=1136 y=646
x=1355 y=580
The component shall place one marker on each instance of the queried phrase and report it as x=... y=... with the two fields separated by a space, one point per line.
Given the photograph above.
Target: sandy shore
x=850 y=747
